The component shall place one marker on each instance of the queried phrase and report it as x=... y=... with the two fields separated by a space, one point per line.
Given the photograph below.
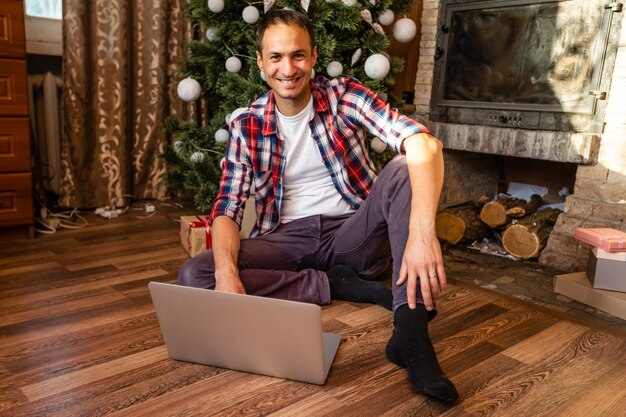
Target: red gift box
x=195 y=234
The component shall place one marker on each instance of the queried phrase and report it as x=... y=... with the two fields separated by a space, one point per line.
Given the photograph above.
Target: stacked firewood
x=522 y=230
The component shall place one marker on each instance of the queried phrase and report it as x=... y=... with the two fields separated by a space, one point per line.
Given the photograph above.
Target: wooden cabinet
x=16 y=201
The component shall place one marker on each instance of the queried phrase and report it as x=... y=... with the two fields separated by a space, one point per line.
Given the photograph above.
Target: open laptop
x=244 y=332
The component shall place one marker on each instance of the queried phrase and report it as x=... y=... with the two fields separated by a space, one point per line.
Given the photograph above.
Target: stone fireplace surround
x=599 y=194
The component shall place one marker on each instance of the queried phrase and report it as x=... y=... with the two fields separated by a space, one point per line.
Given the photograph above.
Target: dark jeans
x=288 y=263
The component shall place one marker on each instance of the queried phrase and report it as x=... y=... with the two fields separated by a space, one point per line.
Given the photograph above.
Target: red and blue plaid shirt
x=344 y=110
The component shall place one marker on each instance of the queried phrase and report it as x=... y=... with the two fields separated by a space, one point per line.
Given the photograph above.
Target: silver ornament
x=197 y=157
x=221 y=135
x=404 y=30
x=366 y=15
x=250 y=14
x=237 y=112
x=356 y=56
x=334 y=69
x=378 y=29
x=377 y=66
x=216 y=6
x=386 y=17
x=211 y=34
x=267 y=4
x=178 y=147
x=233 y=64
x=378 y=145
x=188 y=89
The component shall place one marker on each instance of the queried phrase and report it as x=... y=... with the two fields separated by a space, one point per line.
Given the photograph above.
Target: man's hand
x=229 y=283
x=422 y=263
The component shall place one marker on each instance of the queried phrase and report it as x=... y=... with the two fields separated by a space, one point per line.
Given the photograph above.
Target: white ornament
x=188 y=89
x=250 y=14
x=222 y=162
x=221 y=135
x=404 y=30
x=378 y=145
x=312 y=72
x=386 y=17
x=178 y=147
x=267 y=4
x=305 y=4
x=237 y=112
x=262 y=74
x=373 y=2
x=334 y=69
x=211 y=34
x=366 y=15
x=378 y=29
x=216 y=6
x=233 y=64
x=196 y=157
x=356 y=56
x=349 y=2
x=377 y=66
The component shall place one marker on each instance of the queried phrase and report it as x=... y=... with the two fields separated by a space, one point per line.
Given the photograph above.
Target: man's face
x=287 y=60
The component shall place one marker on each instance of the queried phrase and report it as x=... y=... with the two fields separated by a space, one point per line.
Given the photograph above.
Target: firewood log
x=494 y=213
x=526 y=209
x=460 y=224
x=526 y=238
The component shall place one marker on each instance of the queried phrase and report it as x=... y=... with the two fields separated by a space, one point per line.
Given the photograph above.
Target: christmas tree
x=221 y=69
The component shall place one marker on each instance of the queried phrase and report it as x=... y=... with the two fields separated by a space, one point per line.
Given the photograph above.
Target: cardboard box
x=578 y=287
x=607 y=270
x=610 y=240
x=195 y=234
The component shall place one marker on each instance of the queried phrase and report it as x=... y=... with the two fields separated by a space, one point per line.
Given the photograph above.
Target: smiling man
x=327 y=225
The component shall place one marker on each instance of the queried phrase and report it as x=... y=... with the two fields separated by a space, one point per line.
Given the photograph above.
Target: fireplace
x=536 y=81
x=526 y=64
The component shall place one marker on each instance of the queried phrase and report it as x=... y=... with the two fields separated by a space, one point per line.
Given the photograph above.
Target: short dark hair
x=285 y=17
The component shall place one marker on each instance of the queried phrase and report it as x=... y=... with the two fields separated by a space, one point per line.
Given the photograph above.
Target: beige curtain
x=119 y=84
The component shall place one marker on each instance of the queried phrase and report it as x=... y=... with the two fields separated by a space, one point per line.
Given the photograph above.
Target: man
x=323 y=224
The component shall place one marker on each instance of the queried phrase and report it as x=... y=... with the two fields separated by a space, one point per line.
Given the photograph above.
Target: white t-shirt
x=308 y=188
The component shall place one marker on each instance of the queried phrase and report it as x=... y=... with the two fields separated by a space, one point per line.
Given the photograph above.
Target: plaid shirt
x=344 y=110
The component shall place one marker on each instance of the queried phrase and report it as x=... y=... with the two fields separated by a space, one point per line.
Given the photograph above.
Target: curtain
x=119 y=84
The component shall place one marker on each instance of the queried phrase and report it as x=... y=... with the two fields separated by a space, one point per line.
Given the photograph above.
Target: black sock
x=346 y=285
x=410 y=347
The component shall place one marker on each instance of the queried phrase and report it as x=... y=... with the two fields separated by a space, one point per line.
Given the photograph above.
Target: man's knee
x=395 y=173
x=186 y=275
x=194 y=273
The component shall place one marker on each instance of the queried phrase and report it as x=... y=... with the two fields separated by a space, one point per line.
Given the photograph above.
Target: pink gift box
x=611 y=240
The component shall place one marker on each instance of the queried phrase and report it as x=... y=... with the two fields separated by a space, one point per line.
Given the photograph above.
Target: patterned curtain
x=119 y=85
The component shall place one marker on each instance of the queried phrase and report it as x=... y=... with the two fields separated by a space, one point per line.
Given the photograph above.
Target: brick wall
x=599 y=198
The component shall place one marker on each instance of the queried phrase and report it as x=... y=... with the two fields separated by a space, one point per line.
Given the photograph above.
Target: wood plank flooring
x=79 y=337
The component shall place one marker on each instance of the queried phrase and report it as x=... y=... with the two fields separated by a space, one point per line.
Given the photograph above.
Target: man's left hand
x=422 y=264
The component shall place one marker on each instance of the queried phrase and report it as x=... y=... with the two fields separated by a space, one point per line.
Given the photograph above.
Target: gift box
x=610 y=240
x=195 y=234
x=607 y=270
x=576 y=286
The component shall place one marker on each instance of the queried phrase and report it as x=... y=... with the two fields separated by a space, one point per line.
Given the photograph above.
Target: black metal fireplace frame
x=587 y=118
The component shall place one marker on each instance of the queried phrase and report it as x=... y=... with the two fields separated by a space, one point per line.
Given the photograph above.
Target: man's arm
x=422 y=255
x=225 y=236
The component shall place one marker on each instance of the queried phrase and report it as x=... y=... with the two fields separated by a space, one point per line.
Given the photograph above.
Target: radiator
x=45 y=112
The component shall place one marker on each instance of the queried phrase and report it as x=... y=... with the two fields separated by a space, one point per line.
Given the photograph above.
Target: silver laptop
x=244 y=332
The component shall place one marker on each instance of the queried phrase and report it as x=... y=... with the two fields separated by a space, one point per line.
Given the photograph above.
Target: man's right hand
x=230 y=283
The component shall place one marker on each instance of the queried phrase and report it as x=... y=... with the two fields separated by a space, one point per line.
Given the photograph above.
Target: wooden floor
x=79 y=337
